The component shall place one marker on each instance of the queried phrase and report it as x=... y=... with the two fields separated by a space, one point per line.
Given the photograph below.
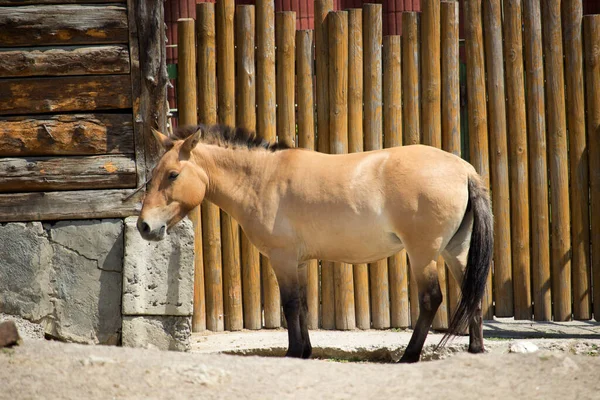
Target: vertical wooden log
x=285 y=31
x=538 y=186
x=578 y=159
x=430 y=73
x=337 y=24
x=149 y=78
x=477 y=119
x=450 y=107
x=392 y=133
x=306 y=139
x=186 y=77
x=557 y=153
x=373 y=127
x=355 y=144
x=207 y=114
x=187 y=106
x=232 y=279
x=412 y=115
x=410 y=78
x=246 y=117
x=499 y=172
x=431 y=115
x=266 y=128
x=515 y=92
x=591 y=26
x=322 y=8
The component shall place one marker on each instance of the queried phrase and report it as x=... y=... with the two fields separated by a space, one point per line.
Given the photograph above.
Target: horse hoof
x=409 y=359
x=476 y=349
x=294 y=353
x=307 y=353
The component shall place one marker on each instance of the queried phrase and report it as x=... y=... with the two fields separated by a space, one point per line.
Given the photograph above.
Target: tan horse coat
x=296 y=205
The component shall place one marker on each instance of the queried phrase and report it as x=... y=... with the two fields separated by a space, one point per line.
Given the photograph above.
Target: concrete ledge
x=159 y=332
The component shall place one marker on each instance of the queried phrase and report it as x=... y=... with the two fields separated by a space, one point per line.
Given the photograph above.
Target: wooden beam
x=285 y=31
x=591 y=29
x=373 y=133
x=80 y=204
x=246 y=117
x=77 y=134
x=68 y=60
x=572 y=18
x=306 y=139
x=230 y=231
x=538 y=171
x=477 y=109
x=355 y=144
x=66 y=173
x=149 y=78
x=207 y=113
x=519 y=197
x=503 y=293
x=560 y=248
x=266 y=124
x=77 y=93
x=63 y=25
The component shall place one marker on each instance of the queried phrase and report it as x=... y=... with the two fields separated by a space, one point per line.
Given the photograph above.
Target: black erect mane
x=228 y=136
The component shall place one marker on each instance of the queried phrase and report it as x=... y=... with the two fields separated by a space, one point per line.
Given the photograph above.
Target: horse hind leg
x=430 y=298
x=303 y=315
x=456 y=254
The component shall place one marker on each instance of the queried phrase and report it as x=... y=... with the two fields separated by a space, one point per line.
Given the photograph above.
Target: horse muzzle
x=150 y=232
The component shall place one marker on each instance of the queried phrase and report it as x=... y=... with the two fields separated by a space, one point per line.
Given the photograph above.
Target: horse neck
x=234 y=176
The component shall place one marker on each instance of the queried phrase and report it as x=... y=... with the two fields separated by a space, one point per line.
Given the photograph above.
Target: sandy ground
x=562 y=368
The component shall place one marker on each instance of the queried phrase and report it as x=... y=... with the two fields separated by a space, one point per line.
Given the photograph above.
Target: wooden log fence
x=347 y=88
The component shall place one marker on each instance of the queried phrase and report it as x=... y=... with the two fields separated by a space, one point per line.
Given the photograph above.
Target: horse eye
x=173 y=175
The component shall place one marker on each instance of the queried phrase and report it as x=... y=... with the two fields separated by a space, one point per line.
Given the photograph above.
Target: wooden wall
x=70 y=146
x=532 y=131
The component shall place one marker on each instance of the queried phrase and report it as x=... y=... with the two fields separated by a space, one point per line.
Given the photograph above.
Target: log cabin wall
x=77 y=99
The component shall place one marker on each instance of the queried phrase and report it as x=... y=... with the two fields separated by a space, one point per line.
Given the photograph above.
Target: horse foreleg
x=430 y=298
x=287 y=278
x=303 y=281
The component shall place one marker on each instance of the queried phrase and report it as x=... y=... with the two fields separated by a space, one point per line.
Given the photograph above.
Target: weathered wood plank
x=68 y=60
x=78 y=93
x=27 y=174
x=63 y=24
x=40 y=206
x=78 y=134
x=149 y=78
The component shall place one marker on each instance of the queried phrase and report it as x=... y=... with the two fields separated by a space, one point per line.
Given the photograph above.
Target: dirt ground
x=565 y=366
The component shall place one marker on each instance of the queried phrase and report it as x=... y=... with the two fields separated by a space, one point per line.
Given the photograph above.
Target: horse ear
x=192 y=140
x=164 y=140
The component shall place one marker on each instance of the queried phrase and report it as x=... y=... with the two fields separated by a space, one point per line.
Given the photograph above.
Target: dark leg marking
x=290 y=299
x=429 y=302
x=307 y=351
x=476 y=332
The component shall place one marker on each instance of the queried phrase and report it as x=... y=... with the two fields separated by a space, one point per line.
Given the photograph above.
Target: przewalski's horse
x=296 y=205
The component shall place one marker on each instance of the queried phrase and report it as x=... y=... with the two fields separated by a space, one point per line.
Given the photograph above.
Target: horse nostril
x=144 y=227
x=162 y=230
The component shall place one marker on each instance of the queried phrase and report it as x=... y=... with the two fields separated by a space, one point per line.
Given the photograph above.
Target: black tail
x=478 y=261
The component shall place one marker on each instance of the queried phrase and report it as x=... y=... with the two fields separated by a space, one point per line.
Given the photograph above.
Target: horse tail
x=478 y=260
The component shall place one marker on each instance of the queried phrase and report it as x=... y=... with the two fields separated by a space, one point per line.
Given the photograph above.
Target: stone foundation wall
x=99 y=282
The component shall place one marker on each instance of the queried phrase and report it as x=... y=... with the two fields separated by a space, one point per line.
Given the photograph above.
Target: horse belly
x=355 y=243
